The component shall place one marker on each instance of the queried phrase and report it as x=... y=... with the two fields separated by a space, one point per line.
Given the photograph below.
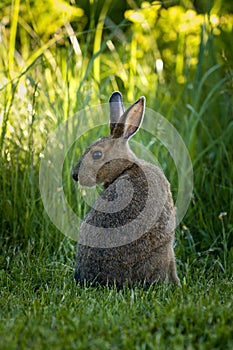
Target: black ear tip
x=142 y=99
x=116 y=97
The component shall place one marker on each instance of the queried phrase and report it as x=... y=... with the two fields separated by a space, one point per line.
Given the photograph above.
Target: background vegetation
x=56 y=58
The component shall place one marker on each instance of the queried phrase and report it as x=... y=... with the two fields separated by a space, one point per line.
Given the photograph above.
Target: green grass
x=42 y=307
x=41 y=86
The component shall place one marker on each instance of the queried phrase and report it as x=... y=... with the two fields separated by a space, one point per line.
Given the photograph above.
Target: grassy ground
x=41 y=307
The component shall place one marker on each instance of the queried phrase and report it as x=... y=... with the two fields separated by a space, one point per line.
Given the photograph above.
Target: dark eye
x=97 y=155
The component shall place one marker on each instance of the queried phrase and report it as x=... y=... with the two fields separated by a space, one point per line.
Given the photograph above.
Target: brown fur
x=137 y=243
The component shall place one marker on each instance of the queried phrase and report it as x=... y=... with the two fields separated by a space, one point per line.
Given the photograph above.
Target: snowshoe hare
x=127 y=236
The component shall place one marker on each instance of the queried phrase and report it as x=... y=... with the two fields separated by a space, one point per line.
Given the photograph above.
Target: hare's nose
x=74 y=175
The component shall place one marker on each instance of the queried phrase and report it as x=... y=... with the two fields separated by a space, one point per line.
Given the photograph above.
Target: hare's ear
x=130 y=121
x=116 y=109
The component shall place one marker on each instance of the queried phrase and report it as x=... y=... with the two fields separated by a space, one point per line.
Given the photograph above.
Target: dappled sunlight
x=174 y=33
x=53 y=14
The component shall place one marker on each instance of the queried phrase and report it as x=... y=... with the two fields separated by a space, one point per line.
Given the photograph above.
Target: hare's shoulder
x=154 y=174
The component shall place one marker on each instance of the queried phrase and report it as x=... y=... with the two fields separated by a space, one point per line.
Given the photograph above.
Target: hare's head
x=106 y=158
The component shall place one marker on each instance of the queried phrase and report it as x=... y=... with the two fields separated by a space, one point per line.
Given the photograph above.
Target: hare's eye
x=97 y=155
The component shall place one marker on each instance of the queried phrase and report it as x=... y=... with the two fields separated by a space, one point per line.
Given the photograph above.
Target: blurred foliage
x=133 y=36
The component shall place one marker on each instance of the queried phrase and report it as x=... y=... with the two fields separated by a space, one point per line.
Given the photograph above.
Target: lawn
x=58 y=61
x=42 y=307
